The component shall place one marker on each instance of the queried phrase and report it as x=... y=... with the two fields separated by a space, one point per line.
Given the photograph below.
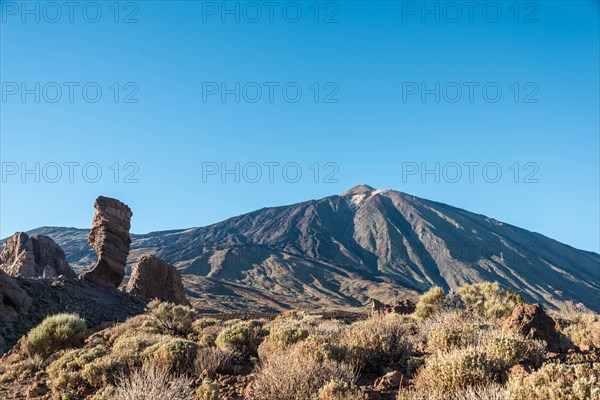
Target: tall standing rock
x=110 y=239
x=35 y=256
x=152 y=278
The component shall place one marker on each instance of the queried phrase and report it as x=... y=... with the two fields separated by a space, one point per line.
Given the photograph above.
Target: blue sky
x=162 y=121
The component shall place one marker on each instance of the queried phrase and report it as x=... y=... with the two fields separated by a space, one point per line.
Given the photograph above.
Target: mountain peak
x=358 y=189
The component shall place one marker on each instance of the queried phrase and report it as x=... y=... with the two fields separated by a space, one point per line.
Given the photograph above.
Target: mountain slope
x=341 y=250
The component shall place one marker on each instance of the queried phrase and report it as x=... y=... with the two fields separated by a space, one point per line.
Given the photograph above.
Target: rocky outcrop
x=13 y=299
x=110 y=239
x=532 y=321
x=152 y=278
x=35 y=256
x=403 y=306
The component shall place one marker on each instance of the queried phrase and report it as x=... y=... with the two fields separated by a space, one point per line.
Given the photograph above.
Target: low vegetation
x=56 y=332
x=453 y=347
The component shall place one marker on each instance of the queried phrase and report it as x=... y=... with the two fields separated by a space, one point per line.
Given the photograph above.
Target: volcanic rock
x=35 y=256
x=403 y=306
x=110 y=239
x=532 y=321
x=152 y=278
x=13 y=299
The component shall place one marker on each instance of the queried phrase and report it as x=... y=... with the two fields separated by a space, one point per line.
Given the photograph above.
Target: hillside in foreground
x=481 y=342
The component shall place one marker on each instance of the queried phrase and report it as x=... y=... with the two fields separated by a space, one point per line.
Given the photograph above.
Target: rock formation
x=152 y=278
x=404 y=306
x=531 y=320
x=35 y=256
x=110 y=239
x=13 y=299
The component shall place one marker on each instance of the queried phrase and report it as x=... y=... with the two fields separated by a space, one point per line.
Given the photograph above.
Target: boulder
x=13 y=299
x=152 y=278
x=35 y=256
x=532 y=321
x=110 y=239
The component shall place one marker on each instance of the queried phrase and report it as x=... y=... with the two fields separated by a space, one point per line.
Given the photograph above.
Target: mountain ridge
x=341 y=250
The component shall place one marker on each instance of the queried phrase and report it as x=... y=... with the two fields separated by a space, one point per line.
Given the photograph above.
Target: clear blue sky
x=370 y=53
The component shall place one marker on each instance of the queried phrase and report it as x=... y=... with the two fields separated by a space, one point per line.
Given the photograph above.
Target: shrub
x=489 y=299
x=66 y=373
x=320 y=348
x=491 y=391
x=175 y=355
x=511 y=349
x=209 y=390
x=102 y=372
x=430 y=302
x=241 y=337
x=286 y=375
x=22 y=369
x=201 y=324
x=340 y=390
x=455 y=370
x=378 y=342
x=151 y=382
x=56 y=332
x=129 y=348
x=331 y=328
x=171 y=318
x=557 y=381
x=583 y=330
x=281 y=337
x=213 y=360
x=451 y=334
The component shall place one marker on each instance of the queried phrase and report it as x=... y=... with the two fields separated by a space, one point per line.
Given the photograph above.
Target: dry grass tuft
x=151 y=382
x=287 y=375
x=211 y=360
x=378 y=342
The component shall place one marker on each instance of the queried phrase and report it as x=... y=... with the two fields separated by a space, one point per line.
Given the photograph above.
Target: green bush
x=176 y=355
x=489 y=299
x=242 y=337
x=430 y=302
x=56 y=332
x=171 y=318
